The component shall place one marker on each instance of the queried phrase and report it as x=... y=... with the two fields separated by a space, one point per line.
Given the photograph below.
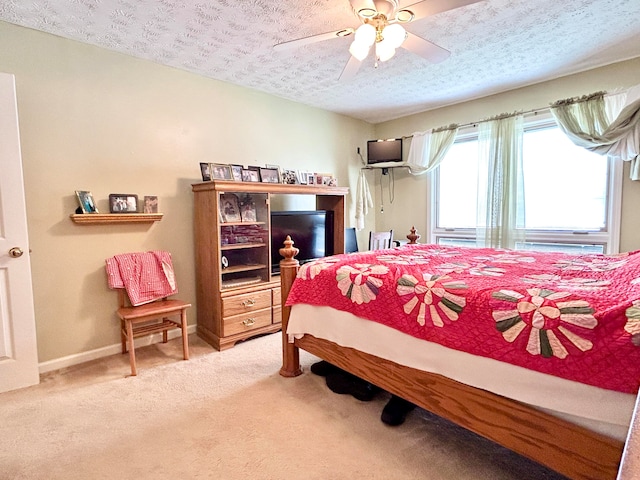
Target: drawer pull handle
x=248 y=303
x=248 y=322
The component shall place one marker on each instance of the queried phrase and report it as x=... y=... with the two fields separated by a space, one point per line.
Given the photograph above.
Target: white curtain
x=608 y=125
x=427 y=149
x=500 y=210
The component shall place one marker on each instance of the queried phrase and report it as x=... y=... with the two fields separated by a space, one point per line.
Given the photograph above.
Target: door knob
x=15 y=252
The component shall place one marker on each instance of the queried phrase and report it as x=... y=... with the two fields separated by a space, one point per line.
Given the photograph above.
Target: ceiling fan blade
x=426 y=8
x=425 y=48
x=313 y=39
x=350 y=69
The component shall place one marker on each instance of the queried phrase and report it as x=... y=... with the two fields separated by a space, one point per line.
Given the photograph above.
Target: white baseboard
x=78 y=358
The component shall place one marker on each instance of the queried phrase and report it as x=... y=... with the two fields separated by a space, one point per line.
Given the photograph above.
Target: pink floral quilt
x=573 y=316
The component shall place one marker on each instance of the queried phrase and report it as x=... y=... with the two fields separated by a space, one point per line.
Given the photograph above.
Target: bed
x=535 y=351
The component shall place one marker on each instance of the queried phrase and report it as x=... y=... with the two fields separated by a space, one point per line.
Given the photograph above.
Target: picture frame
x=269 y=175
x=150 y=204
x=311 y=179
x=303 y=177
x=323 y=178
x=255 y=169
x=86 y=201
x=248 y=209
x=275 y=167
x=329 y=181
x=220 y=171
x=205 y=171
x=290 y=177
x=236 y=171
x=123 y=203
x=229 y=207
x=250 y=175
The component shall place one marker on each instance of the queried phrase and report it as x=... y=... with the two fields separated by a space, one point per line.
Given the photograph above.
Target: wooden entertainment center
x=237 y=295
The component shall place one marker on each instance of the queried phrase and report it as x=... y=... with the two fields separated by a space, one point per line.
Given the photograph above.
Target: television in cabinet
x=312 y=231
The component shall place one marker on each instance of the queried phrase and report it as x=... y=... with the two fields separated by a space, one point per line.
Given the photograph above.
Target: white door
x=18 y=350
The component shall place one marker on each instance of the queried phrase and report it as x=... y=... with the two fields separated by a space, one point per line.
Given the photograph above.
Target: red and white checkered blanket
x=576 y=317
x=146 y=276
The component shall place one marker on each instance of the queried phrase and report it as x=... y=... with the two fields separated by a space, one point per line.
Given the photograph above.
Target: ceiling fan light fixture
x=359 y=50
x=395 y=34
x=366 y=34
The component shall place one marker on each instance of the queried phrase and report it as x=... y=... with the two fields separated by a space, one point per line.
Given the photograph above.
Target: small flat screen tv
x=383 y=151
x=311 y=231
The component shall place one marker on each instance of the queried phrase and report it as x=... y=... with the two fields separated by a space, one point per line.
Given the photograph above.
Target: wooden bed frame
x=569 y=449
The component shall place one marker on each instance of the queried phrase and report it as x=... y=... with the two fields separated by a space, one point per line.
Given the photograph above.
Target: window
x=572 y=196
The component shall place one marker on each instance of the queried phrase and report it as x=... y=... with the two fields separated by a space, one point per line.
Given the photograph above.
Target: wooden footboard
x=571 y=450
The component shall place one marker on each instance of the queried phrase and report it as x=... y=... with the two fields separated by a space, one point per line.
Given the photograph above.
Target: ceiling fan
x=382 y=29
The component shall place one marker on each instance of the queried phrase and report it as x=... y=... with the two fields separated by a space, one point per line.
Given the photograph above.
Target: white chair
x=380 y=240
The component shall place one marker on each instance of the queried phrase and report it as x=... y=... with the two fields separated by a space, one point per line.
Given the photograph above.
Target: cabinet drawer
x=247 y=302
x=276 y=296
x=246 y=322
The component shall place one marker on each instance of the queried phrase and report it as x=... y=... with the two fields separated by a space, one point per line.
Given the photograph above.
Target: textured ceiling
x=495 y=45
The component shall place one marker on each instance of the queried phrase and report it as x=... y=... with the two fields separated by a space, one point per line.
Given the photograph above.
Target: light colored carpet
x=227 y=415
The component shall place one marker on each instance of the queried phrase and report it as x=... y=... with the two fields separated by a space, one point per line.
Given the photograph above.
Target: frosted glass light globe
x=384 y=50
x=395 y=34
x=359 y=50
x=366 y=34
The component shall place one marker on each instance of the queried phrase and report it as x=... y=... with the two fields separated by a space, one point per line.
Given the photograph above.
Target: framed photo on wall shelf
x=150 y=204
x=85 y=199
x=220 y=171
x=123 y=203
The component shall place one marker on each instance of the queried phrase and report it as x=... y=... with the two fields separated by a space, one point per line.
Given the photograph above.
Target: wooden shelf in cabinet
x=240 y=224
x=238 y=246
x=242 y=268
x=104 y=218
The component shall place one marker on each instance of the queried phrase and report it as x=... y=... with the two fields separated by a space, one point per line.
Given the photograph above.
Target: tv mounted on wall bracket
x=384 y=153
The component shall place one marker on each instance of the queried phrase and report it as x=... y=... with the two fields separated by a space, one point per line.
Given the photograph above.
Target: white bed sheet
x=597 y=409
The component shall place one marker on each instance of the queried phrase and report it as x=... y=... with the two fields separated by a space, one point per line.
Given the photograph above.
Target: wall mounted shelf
x=105 y=218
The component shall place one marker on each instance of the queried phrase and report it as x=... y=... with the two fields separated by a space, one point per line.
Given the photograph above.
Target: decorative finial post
x=288 y=270
x=288 y=252
x=413 y=236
